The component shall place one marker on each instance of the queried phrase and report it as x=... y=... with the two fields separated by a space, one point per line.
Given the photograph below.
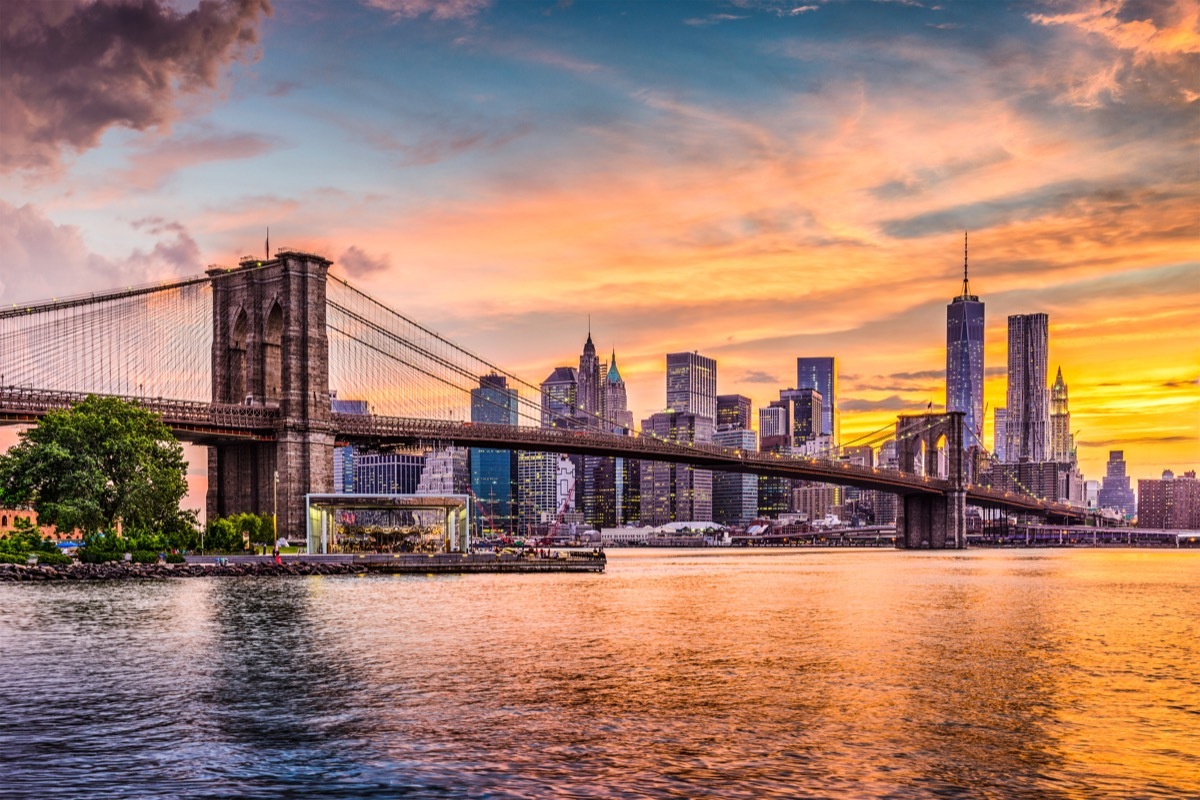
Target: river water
x=677 y=674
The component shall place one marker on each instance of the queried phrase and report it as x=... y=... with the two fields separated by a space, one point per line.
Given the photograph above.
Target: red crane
x=562 y=509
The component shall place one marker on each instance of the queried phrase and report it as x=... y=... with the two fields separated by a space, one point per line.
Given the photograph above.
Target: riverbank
x=239 y=566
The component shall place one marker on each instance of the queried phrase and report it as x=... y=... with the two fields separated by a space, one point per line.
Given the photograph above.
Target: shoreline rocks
x=10 y=573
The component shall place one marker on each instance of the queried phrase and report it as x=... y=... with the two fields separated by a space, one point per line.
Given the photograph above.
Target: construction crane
x=486 y=512
x=562 y=510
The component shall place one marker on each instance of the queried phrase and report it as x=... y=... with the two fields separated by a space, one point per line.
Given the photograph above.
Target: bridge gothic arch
x=932 y=445
x=237 y=364
x=273 y=354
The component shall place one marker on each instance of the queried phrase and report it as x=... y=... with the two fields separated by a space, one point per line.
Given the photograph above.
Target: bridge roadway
x=208 y=423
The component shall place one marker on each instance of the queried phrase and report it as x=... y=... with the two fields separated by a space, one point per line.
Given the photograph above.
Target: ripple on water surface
x=678 y=674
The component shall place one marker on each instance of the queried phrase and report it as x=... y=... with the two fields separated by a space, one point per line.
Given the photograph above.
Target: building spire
x=966 y=287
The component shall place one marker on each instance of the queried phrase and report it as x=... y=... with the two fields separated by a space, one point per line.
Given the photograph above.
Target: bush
x=55 y=559
x=96 y=555
x=46 y=558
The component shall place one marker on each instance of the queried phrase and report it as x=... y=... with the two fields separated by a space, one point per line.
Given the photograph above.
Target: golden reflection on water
x=1049 y=674
x=731 y=674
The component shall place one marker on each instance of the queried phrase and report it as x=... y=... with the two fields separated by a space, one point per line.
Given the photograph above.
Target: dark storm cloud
x=74 y=69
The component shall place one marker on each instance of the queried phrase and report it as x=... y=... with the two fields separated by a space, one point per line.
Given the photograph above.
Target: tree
x=101 y=461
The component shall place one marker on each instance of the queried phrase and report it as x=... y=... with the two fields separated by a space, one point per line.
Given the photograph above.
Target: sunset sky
x=753 y=180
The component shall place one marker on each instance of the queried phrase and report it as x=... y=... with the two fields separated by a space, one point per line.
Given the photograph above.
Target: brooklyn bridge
x=243 y=360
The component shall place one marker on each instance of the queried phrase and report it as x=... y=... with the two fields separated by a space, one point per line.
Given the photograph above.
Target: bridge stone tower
x=270 y=349
x=932 y=444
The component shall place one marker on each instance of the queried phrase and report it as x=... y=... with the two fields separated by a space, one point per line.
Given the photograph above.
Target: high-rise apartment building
x=1062 y=443
x=494 y=472
x=821 y=374
x=1114 y=490
x=1169 y=504
x=733 y=412
x=1028 y=394
x=692 y=384
x=964 y=359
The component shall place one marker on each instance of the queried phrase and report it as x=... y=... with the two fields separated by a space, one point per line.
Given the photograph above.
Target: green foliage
x=223 y=536
x=55 y=559
x=101 y=461
x=26 y=539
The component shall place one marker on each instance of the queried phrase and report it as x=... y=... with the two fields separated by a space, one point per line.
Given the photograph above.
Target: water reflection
x=689 y=674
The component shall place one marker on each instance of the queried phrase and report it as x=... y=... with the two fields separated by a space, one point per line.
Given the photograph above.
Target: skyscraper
x=616 y=399
x=1115 y=491
x=964 y=359
x=1028 y=395
x=1000 y=434
x=494 y=472
x=606 y=479
x=1062 y=443
x=821 y=374
x=589 y=393
x=692 y=384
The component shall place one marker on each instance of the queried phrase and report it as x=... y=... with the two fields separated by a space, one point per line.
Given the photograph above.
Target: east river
x=677 y=674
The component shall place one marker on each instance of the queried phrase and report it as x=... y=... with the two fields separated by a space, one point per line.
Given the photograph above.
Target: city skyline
x=759 y=186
